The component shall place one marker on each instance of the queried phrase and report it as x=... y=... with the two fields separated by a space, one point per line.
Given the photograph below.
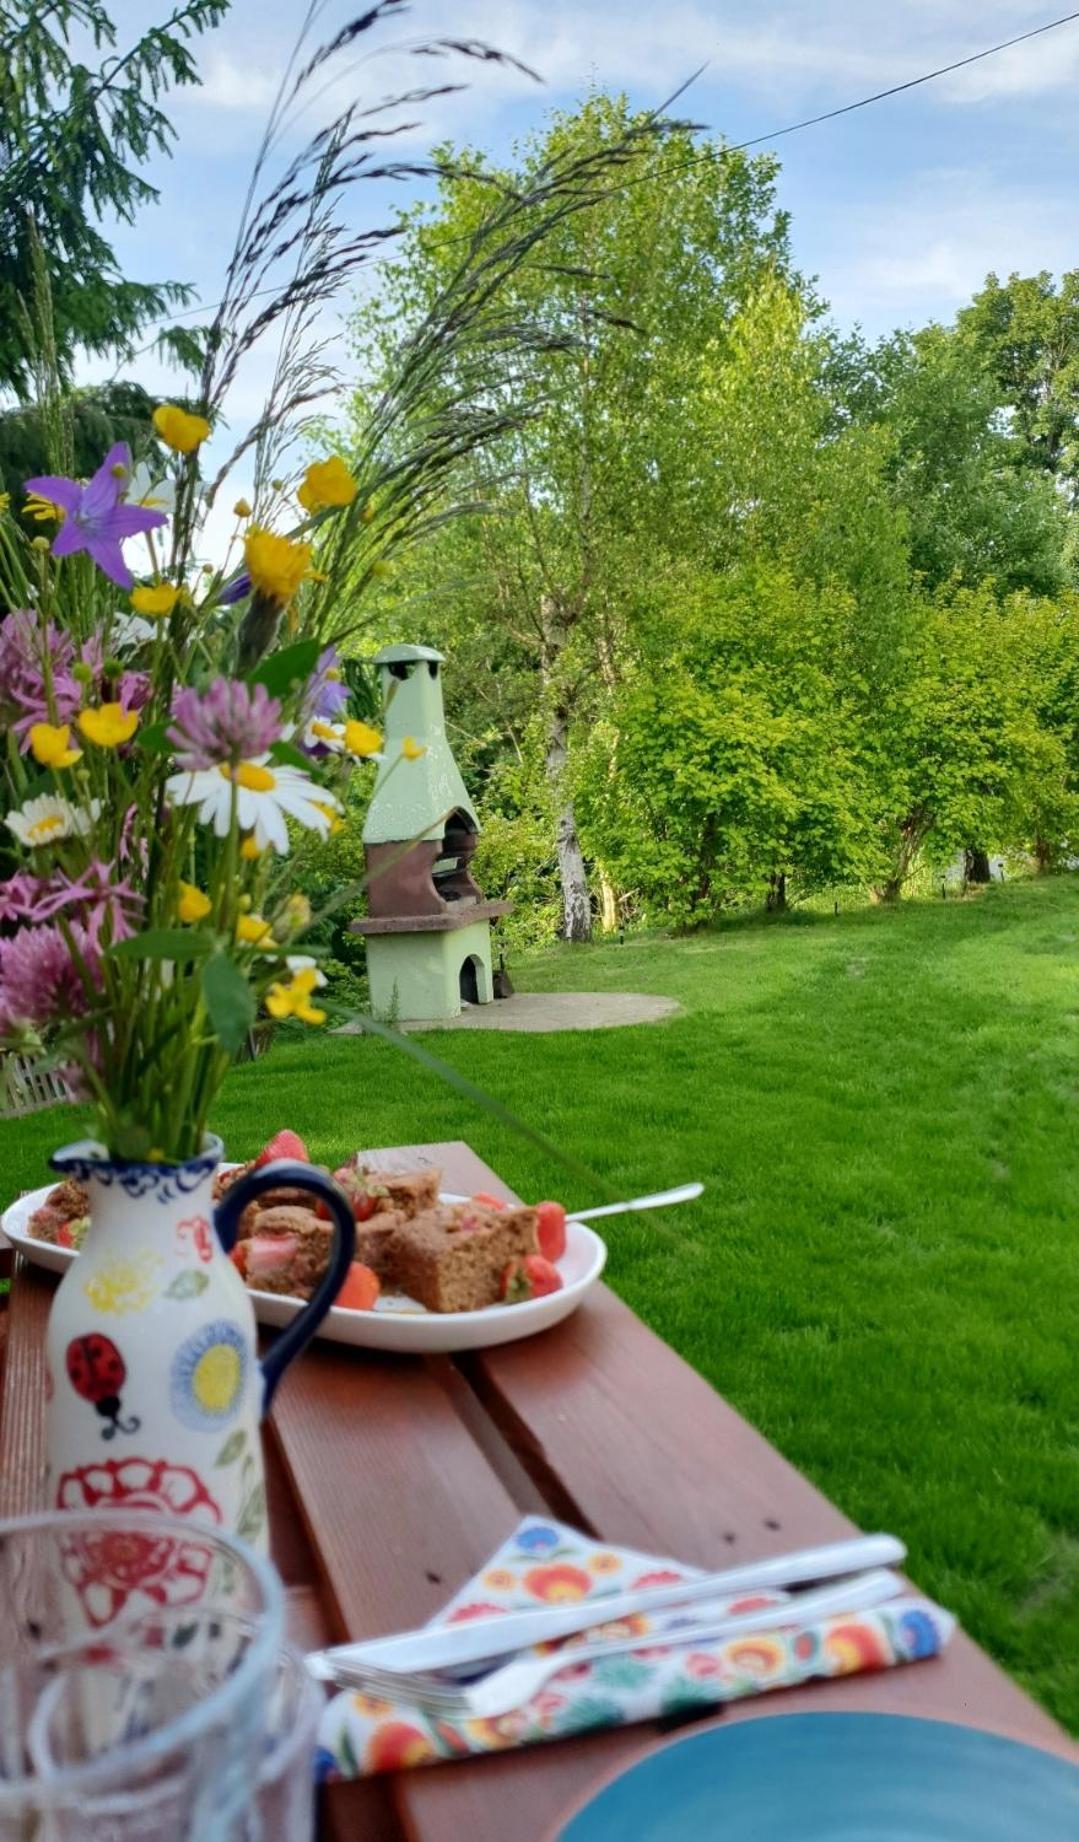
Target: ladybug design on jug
x=96 y=1371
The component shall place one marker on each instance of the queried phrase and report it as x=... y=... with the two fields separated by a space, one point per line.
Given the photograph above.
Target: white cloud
x=925 y=251
x=234 y=84
x=1038 y=68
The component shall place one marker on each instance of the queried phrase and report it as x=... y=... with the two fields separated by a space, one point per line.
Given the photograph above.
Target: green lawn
x=883 y=1274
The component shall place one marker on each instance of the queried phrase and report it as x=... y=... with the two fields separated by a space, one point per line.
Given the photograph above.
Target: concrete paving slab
x=540 y=1012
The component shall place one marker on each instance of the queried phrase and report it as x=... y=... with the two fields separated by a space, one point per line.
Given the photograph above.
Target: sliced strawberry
x=551 y=1229
x=267 y=1255
x=64 y=1236
x=488 y=1201
x=362 y=1196
x=239 y=1258
x=284 y=1144
x=532 y=1277
x=542 y=1276
x=360 y=1289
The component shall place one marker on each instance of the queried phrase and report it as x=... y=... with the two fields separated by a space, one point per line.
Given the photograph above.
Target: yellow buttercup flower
x=361 y=739
x=327 y=483
x=42 y=510
x=157 y=599
x=50 y=745
x=193 y=904
x=178 y=429
x=108 y=725
x=411 y=749
x=294 y=999
x=253 y=931
x=276 y=565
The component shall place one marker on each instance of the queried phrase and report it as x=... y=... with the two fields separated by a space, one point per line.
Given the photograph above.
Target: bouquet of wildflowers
x=154 y=786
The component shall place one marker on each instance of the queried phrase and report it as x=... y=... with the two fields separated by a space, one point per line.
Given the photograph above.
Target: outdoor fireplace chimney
x=428 y=930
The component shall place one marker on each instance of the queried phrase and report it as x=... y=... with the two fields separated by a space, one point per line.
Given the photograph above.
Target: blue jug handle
x=289 y=1173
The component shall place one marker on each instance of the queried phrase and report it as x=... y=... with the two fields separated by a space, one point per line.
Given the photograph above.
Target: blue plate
x=837 y=1778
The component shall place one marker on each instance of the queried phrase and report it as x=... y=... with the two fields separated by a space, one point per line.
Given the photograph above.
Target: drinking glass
x=285 y=1799
x=137 y=1663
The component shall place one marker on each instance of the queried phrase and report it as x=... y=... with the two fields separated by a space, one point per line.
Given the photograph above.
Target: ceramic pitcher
x=155 y=1388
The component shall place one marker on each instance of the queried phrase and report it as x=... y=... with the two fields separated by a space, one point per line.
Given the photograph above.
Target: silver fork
x=516 y=1682
x=660 y=1199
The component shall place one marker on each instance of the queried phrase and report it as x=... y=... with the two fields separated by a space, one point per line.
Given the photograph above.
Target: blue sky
x=899 y=210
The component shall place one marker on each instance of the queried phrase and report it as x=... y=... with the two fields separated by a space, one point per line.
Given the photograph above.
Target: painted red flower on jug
x=109 y=1569
x=201 y=1235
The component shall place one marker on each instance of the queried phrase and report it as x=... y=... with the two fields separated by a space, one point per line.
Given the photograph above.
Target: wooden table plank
x=22 y=1409
x=399 y=1502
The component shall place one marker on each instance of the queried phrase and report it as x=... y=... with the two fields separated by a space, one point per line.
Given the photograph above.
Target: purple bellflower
x=95 y=517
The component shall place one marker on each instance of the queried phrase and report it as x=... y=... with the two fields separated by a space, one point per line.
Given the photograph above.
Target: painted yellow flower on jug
x=124 y=1285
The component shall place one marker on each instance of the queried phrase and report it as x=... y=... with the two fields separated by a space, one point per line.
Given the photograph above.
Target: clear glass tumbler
x=138 y=1661
x=284 y=1809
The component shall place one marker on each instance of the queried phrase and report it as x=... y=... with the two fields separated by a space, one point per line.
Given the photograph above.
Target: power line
x=758 y=140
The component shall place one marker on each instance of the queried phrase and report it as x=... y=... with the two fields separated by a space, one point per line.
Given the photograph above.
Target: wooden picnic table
x=392 y=1479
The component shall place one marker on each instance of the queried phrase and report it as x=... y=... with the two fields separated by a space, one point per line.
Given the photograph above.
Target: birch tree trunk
x=576 y=901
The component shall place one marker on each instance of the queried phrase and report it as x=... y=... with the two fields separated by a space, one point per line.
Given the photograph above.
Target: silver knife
x=442 y=1646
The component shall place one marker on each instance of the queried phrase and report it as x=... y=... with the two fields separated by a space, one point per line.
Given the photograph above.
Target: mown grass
x=883 y=1273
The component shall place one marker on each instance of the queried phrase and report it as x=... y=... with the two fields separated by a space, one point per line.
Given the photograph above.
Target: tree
x=98 y=416
x=974 y=508
x=737 y=761
x=1026 y=331
x=602 y=475
x=972 y=750
x=72 y=138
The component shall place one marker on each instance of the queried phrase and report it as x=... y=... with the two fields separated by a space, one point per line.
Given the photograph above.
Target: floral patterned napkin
x=545 y=1562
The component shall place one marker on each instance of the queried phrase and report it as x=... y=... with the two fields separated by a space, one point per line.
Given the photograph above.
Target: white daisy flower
x=159 y=495
x=47 y=819
x=265 y=795
x=321 y=734
x=305 y=962
x=130 y=630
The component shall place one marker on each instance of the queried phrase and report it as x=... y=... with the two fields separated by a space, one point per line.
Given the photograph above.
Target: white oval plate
x=396 y=1323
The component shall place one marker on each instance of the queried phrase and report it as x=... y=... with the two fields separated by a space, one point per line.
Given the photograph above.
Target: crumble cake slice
x=452 y=1257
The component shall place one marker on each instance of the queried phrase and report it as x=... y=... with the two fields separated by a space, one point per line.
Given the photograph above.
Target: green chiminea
x=429 y=929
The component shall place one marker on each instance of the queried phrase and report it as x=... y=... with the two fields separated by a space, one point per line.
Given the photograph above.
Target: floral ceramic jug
x=154 y=1385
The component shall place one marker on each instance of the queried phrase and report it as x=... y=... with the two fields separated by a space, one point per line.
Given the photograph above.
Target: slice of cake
x=287 y=1253
x=451 y=1258
x=64 y=1216
x=381 y=1192
x=376 y=1245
